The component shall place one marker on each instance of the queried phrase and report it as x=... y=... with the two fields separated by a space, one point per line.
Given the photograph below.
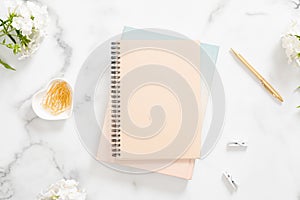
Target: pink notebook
x=123 y=141
x=181 y=168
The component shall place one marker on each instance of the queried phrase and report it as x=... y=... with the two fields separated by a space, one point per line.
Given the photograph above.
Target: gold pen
x=260 y=78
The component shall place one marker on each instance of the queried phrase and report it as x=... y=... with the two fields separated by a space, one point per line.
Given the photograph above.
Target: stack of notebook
x=155 y=114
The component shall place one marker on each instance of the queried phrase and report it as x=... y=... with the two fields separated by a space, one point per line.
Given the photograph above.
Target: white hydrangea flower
x=31 y=19
x=23 y=24
x=40 y=15
x=291 y=44
x=63 y=190
x=23 y=28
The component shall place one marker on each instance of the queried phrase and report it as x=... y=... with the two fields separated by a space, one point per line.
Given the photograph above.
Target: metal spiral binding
x=115 y=99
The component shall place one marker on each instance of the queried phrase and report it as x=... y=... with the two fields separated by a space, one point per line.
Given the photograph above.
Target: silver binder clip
x=241 y=144
x=229 y=179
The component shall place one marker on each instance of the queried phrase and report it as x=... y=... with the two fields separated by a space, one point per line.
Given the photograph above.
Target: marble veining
x=216 y=11
x=58 y=36
x=256 y=13
x=67 y=49
x=35 y=153
x=7 y=189
x=297 y=4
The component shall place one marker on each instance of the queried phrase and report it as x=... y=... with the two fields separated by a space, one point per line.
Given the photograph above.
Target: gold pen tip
x=233 y=51
x=281 y=99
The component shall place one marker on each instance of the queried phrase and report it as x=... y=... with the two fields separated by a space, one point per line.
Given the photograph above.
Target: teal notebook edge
x=211 y=50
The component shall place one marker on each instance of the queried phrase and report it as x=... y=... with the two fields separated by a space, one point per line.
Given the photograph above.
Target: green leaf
x=11 y=16
x=24 y=40
x=55 y=197
x=298 y=107
x=7 y=66
x=16 y=48
x=10 y=46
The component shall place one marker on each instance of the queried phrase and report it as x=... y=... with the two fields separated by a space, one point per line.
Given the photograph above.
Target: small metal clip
x=237 y=144
x=230 y=180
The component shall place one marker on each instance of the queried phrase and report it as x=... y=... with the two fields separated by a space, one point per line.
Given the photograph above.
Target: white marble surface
x=35 y=153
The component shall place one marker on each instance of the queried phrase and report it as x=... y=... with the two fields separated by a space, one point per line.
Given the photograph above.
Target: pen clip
x=271 y=90
x=263 y=82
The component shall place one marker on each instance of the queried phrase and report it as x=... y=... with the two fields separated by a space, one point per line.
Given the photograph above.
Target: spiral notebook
x=155 y=100
x=182 y=168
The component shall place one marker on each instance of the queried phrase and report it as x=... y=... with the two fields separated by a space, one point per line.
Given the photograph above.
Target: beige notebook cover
x=180 y=168
x=146 y=97
x=160 y=102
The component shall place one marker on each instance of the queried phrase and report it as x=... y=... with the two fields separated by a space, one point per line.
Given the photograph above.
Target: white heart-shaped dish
x=44 y=114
